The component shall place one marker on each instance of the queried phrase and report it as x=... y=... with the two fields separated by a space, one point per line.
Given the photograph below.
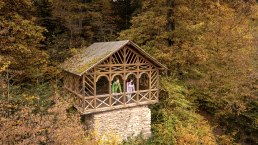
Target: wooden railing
x=105 y=102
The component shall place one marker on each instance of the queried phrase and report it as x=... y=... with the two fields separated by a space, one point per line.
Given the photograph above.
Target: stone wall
x=123 y=123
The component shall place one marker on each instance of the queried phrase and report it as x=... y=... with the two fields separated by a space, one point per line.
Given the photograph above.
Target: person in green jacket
x=116 y=86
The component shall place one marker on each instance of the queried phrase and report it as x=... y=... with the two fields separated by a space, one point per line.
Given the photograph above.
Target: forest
x=208 y=95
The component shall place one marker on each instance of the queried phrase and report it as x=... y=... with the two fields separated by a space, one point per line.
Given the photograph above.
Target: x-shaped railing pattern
x=144 y=95
x=103 y=102
x=117 y=99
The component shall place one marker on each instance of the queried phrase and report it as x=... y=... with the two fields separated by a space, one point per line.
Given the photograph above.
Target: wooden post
x=110 y=81
x=83 y=91
x=95 y=88
x=138 y=79
x=124 y=93
x=124 y=75
x=149 y=82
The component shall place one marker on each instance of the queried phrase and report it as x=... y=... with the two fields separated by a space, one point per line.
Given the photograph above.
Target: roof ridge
x=111 y=41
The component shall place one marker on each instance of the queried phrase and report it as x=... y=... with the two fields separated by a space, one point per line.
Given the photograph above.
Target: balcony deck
x=105 y=102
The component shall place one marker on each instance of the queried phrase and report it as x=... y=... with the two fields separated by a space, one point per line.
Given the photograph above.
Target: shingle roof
x=91 y=56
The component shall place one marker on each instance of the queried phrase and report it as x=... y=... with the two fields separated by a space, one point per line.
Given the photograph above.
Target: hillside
x=208 y=95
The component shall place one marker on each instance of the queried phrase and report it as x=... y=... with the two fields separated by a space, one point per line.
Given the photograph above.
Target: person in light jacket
x=129 y=88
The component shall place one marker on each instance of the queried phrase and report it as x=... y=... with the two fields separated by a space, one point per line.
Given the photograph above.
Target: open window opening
x=131 y=83
x=117 y=84
x=102 y=86
x=131 y=87
x=144 y=82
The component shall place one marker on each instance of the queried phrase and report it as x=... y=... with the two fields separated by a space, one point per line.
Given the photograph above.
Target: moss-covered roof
x=91 y=56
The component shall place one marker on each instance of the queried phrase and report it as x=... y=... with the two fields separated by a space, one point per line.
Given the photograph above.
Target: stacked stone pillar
x=123 y=123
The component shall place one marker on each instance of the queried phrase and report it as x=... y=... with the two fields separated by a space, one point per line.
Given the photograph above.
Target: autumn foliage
x=208 y=94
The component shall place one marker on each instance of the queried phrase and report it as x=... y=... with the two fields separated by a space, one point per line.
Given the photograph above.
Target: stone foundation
x=123 y=123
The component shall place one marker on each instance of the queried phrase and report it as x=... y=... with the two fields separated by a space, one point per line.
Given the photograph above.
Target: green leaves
x=177 y=122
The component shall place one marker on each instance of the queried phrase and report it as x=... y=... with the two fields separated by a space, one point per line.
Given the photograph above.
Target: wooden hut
x=98 y=77
x=89 y=76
